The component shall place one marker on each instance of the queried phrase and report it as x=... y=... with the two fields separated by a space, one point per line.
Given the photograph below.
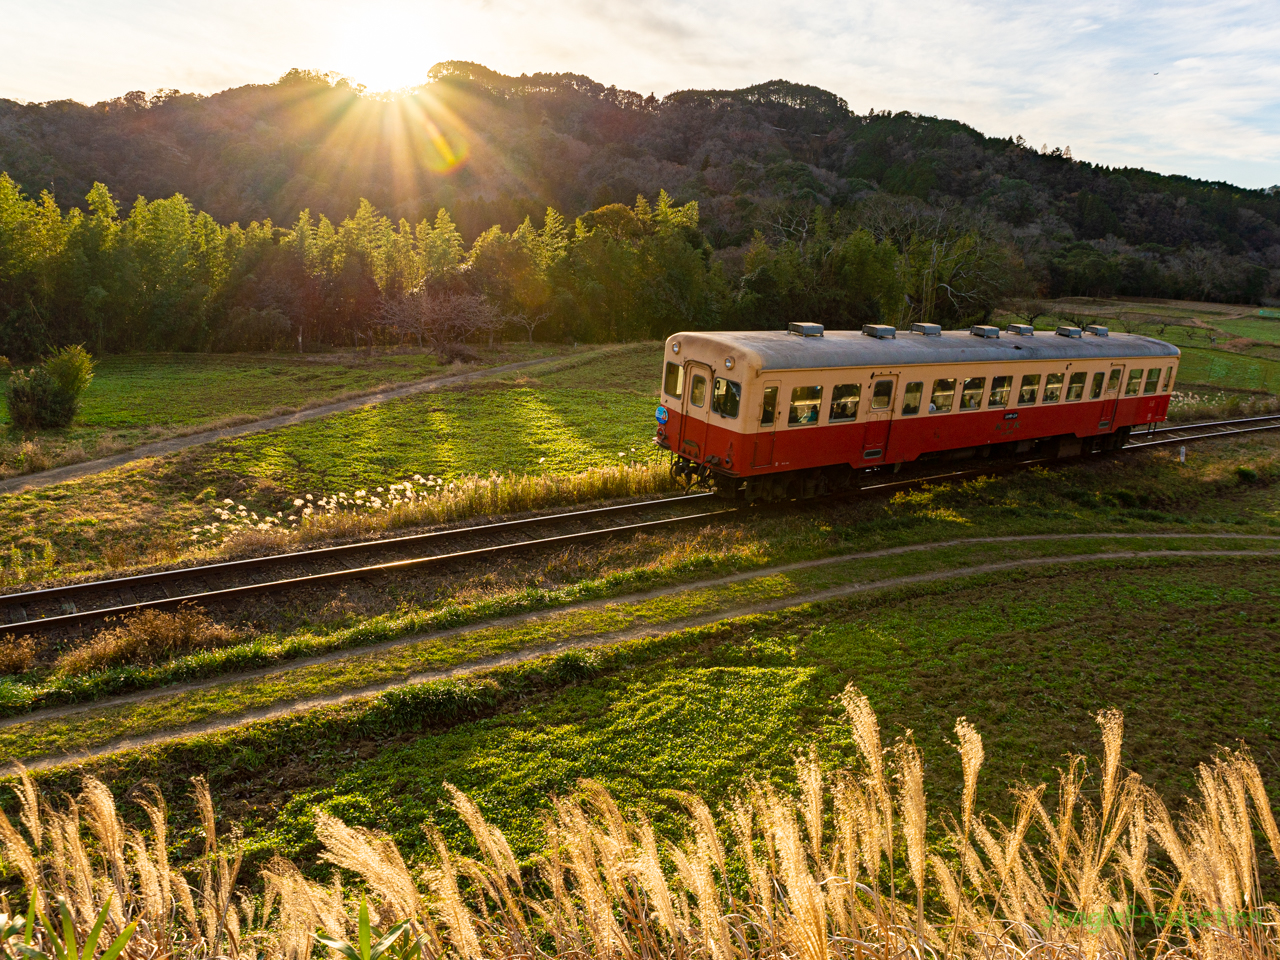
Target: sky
x=1177 y=86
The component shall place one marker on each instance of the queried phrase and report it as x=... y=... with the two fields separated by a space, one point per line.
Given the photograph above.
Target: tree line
x=165 y=276
x=494 y=149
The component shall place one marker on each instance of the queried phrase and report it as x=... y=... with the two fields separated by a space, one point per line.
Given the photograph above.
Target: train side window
x=1113 y=381
x=805 y=402
x=944 y=394
x=769 y=409
x=1053 y=387
x=911 y=398
x=1168 y=376
x=1000 y=388
x=1030 y=387
x=882 y=395
x=1095 y=391
x=726 y=395
x=971 y=395
x=698 y=390
x=1134 y=383
x=1075 y=386
x=1153 y=380
x=673 y=382
x=844 y=401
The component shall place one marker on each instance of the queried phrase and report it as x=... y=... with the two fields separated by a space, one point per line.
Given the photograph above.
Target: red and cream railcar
x=772 y=414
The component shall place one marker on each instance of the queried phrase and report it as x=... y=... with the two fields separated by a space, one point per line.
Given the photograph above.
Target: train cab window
x=805 y=402
x=1134 y=383
x=944 y=394
x=1030 y=387
x=844 y=402
x=1095 y=391
x=911 y=398
x=882 y=395
x=1168 y=376
x=673 y=382
x=726 y=395
x=698 y=390
x=971 y=395
x=769 y=409
x=1113 y=381
x=1000 y=388
x=1053 y=387
x=1153 y=380
x=1075 y=386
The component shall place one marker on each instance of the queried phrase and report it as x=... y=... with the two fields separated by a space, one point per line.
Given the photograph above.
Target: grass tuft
x=147 y=637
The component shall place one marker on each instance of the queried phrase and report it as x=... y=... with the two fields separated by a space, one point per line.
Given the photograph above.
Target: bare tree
x=440 y=317
x=529 y=321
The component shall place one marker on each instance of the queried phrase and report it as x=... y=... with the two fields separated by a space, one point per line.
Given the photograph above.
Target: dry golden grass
x=17 y=654
x=146 y=637
x=851 y=866
x=495 y=495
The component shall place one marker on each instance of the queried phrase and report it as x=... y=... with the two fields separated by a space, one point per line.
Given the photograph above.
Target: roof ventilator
x=927 y=329
x=1072 y=332
x=984 y=330
x=805 y=329
x=1096 y=330
x=1021 y=330
x=881 y=331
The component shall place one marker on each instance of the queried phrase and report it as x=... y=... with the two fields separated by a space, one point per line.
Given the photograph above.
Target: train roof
x=777 y=350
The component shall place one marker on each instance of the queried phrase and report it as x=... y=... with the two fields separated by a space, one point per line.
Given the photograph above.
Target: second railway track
x=72 y=605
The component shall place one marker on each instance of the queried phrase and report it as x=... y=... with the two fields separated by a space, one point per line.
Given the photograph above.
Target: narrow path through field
x=32 y=481
x=530 y=653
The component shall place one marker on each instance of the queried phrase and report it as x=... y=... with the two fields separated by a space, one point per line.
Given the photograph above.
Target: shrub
x=48 y=396
x=147 y=637
x=1247 y=474
x=17 y=654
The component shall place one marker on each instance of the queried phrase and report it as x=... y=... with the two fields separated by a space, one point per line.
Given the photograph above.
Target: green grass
x=1260 y=329
x=517 y=429
x=1189 y=650
x=136 y=399
x=1233 y=371
x=144 y=512
x=191 y=389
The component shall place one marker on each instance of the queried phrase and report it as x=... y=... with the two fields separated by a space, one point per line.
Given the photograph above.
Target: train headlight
x=675 y=347
x=728 y=363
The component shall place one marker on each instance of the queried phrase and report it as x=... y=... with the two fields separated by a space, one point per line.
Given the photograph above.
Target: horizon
x=1184 y=88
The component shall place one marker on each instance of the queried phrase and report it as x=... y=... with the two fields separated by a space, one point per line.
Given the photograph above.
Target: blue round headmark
x=660 y=414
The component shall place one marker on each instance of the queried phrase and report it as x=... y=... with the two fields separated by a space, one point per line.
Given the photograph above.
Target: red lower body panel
x=716 y=443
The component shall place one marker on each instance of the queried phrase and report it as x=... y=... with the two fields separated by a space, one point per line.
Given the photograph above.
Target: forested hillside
x=781 y=200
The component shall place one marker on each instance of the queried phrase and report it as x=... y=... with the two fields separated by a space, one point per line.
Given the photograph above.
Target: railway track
x=72 y=605
x=1183 y=433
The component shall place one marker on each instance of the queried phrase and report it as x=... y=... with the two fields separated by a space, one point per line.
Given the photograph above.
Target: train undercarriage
x=839 y=478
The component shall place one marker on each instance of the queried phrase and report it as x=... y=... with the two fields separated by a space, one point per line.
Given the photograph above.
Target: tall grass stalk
x=1109 y=872
x=423 y=502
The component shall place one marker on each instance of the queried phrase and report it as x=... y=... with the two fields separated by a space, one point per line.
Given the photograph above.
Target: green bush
x=48 y=396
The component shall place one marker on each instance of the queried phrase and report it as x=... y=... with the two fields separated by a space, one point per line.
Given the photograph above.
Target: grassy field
x=136 y=399
x=144 y=512
x=1188 y=649
x=563 y=421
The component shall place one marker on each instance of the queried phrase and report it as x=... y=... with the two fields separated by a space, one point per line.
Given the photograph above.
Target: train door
x=696 y=410
x=1111 y=395
x=762 y=456
x=879 y=417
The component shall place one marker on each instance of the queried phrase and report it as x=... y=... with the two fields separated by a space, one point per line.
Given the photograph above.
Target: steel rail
x=1210 y=423
x=241 y=566
x=1202 y=436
